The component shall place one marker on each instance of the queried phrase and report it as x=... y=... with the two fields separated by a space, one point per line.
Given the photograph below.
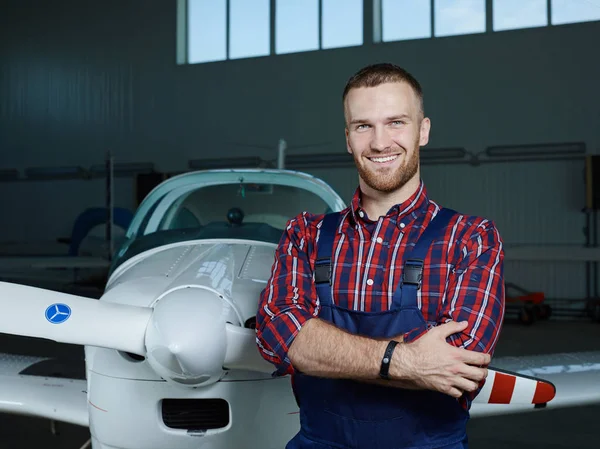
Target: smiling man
x=384 y=129
x=387 y=313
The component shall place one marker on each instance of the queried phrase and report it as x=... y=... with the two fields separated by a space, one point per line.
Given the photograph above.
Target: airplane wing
x=34 y=386
x=574 y=378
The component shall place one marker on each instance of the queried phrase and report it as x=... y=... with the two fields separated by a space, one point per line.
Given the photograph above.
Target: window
x=406 y=19
x=513 y=14
x=454 y=17
x=249 y=24
x=296 y=26
x=217 y=30
x=571 y=11
x=206 y=27
x=341 y=23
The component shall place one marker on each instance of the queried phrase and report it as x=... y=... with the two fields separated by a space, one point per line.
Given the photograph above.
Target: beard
x=387 y=181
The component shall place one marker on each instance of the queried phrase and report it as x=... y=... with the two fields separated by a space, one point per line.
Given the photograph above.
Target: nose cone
x=185 y=340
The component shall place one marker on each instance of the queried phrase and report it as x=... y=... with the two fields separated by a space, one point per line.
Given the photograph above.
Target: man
x=387 y=313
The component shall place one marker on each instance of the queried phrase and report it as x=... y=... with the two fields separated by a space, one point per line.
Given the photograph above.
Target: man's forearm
x=430 y=363
x=321 y=349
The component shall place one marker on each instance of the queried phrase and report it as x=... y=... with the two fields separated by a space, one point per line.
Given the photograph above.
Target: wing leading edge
x=56 y=398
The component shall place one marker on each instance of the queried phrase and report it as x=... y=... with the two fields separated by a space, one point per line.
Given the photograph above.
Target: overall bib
x=348 y=414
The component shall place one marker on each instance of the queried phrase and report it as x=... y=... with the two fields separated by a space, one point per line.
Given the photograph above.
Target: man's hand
x=433 y=364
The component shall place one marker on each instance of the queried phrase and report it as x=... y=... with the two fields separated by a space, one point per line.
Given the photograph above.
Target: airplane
x=171 y=358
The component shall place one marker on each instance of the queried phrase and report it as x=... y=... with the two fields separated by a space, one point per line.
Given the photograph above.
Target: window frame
x=372 y=13
x=182 y=40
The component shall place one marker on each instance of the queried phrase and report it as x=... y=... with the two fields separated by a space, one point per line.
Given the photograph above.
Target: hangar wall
x=79 y=78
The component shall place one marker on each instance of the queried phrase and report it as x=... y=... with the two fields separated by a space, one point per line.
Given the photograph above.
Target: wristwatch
x=386 y=360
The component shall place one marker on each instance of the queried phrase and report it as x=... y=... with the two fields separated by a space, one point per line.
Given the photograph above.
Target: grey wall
x=78 y=78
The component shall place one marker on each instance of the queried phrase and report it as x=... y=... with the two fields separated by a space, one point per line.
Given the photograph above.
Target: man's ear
x=424 y=132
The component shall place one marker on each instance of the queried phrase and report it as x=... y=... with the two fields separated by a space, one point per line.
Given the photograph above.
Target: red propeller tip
x=544 y=392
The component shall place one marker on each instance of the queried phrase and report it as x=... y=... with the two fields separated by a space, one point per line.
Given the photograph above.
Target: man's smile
x=384 y=159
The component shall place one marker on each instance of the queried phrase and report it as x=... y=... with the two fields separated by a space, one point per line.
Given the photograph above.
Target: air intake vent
x=195 y=414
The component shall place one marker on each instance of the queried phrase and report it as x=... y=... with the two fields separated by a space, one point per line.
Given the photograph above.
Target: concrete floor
x=574 y=428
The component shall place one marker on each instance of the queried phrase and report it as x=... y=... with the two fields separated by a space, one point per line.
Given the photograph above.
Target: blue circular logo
x=58 y=313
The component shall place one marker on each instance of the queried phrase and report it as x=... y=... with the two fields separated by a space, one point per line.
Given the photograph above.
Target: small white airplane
x=170 y=348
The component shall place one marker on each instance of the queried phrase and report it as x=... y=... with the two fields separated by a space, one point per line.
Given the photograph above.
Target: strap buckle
x=413 y=272
x=323 y=271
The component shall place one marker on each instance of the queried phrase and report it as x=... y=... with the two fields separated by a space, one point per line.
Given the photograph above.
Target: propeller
x=184 y=337
x=506 y=387
x=65 y=318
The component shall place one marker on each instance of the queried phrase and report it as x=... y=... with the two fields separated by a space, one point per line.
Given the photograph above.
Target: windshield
x=224 y=209
x=244 y=209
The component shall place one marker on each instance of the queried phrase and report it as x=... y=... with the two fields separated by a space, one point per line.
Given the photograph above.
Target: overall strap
x=412 y=272
x=324 y=252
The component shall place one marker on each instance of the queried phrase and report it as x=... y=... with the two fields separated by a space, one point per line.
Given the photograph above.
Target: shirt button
x=379 y=240
x=369 y=281
x=361 y=214
x=402 y=225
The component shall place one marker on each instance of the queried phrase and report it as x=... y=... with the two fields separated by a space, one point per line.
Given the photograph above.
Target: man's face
x=384 y=131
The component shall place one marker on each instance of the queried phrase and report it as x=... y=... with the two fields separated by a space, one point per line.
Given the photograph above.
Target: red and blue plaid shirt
x=464 y=281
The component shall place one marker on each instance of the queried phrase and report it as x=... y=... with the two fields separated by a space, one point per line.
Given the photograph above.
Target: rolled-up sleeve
x=476 y=293
x=476 y=289
x=290 y=297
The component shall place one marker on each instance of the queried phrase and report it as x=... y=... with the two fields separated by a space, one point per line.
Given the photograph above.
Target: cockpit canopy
x=247 y=204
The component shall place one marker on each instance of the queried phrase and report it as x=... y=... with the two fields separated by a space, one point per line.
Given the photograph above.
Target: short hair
x=376 y=74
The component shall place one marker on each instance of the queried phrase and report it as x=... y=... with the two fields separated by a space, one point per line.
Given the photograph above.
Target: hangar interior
x=155 y=89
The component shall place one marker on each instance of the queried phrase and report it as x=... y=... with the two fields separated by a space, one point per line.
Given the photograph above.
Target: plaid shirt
x=462 y=277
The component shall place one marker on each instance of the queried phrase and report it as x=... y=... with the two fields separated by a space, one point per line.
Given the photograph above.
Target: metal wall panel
x=78 y=78
x=531 y=202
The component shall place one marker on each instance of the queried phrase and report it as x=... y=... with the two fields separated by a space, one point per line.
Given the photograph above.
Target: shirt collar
x=415 y=205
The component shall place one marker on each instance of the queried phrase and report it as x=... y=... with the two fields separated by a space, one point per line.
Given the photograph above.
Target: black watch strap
x=386 y=360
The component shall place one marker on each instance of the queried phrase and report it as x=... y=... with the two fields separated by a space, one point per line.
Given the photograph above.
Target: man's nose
x=381 y=139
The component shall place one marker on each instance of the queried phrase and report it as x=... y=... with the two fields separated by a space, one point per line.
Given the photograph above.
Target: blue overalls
x=348 y=414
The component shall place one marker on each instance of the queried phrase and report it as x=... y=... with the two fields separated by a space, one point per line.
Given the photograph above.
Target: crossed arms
x=450 y=358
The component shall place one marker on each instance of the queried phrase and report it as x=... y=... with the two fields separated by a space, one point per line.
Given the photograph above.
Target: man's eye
x=398 y=122
x=362 y=126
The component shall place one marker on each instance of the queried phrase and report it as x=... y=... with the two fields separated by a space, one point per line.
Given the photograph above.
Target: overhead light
x=430 y=154
x=223 y=163
x=318 y=160
x=541 y=150
x=9 y=175
x=344 y=159
x=54 y=173
x=123 y=168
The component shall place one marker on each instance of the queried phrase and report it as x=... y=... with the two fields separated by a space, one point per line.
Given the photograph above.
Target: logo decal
x=58 y=313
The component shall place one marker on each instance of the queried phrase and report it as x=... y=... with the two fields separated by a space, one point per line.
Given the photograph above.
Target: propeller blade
x=506 y=387
x=65 y=318
x=242 y=351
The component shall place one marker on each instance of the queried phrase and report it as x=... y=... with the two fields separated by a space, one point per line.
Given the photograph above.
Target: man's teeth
x=383 y=159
